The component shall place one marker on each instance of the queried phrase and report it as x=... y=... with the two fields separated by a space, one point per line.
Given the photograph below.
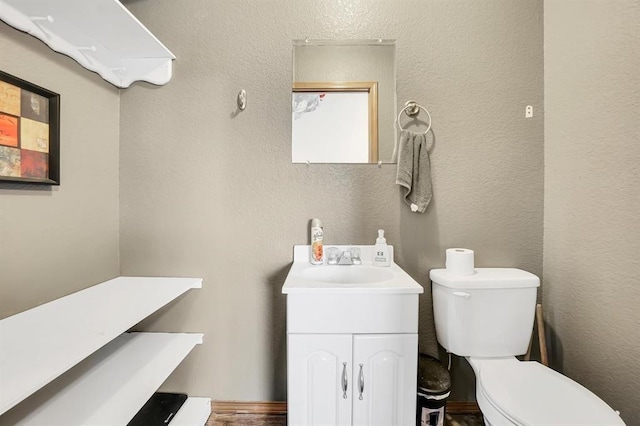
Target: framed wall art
x=29 y=132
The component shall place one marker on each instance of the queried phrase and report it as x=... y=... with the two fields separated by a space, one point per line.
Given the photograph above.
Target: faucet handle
x=355 y=255
x=332 y=255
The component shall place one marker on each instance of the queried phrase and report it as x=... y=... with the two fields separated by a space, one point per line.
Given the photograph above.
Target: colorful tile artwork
x=24 y=133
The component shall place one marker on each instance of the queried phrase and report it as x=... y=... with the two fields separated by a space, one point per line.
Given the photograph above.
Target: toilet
x=487 y=317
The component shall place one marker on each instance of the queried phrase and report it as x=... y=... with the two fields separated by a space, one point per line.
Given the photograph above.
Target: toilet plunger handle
x=541 y=336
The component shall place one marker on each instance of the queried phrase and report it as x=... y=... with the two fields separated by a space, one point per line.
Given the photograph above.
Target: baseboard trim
x=270 y=408
x=462 y=407
x=279 y=408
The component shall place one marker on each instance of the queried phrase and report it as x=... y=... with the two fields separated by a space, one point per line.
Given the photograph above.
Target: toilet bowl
x=511 y=392
x=487 y=317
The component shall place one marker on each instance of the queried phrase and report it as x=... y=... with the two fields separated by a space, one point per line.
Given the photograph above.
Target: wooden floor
x=464 y=420
x=246 y=419
x=239 y=413
x=280 y=420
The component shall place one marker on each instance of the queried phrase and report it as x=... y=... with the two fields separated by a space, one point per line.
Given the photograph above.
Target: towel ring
x=412 y=109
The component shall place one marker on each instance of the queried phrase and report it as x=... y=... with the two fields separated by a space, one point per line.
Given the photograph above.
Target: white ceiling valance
x=102 y=35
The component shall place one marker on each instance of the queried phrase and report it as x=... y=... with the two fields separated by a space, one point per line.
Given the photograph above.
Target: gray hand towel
x=414 y=169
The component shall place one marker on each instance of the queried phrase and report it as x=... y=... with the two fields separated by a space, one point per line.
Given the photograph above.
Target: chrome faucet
x=347 y=257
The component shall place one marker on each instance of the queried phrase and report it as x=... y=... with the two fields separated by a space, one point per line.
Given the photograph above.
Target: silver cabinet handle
x=361 y=382
x=344 y=380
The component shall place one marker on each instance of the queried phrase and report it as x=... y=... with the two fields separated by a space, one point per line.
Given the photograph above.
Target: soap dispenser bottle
x=381 y=251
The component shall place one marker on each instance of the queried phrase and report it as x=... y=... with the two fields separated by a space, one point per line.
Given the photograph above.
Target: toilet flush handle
x=463 y=294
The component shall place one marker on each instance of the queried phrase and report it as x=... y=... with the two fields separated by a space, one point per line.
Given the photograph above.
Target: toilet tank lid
x=485 y=278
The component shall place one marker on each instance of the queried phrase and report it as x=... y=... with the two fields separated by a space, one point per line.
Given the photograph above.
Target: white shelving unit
x=195 y=411
x=101 y=35
x=110 y=374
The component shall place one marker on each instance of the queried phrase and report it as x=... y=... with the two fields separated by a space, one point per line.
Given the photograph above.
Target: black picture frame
x=29 y=132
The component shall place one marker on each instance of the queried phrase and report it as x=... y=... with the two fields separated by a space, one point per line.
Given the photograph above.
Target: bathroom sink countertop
x=303 y=277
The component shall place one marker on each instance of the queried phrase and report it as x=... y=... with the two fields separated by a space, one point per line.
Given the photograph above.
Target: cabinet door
x=319 y=379
x=385 y=379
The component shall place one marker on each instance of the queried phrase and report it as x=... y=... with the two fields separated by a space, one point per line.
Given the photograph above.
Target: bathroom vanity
x=352 y=342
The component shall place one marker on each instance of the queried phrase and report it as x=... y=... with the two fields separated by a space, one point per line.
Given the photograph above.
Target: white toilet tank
x=487 y=314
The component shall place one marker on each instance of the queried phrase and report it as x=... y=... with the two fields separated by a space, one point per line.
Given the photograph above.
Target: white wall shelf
x=40 y=344
x=110 y=386
x=194 y=411
x=101 y=35
x=109 y=375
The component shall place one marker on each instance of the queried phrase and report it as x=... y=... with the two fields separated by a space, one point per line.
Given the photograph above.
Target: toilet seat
x=527 y=393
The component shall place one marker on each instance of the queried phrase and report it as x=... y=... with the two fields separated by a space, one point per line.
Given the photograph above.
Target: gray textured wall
x=209 y=192
x=56 y=240
x=591 y=288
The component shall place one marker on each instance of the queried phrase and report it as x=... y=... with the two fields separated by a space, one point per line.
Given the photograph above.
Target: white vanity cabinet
x=359 y=379
x=352 y=347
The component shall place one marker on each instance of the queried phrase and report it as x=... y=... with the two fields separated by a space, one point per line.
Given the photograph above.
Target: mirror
x=343 y=101
x=335 y=122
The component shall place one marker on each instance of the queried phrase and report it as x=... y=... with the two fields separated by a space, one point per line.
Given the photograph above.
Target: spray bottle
x=317 y=251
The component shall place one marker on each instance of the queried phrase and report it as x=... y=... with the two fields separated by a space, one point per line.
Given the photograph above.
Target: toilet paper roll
x=460 y=261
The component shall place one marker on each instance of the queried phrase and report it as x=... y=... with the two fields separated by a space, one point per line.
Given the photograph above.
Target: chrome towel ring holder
x=412 y=109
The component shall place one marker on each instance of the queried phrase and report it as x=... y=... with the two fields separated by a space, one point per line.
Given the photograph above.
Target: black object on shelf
x=159 y=410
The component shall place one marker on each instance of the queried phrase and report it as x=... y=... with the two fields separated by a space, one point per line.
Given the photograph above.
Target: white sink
x=304 y=277
x=350 y=298
x=349 y=274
